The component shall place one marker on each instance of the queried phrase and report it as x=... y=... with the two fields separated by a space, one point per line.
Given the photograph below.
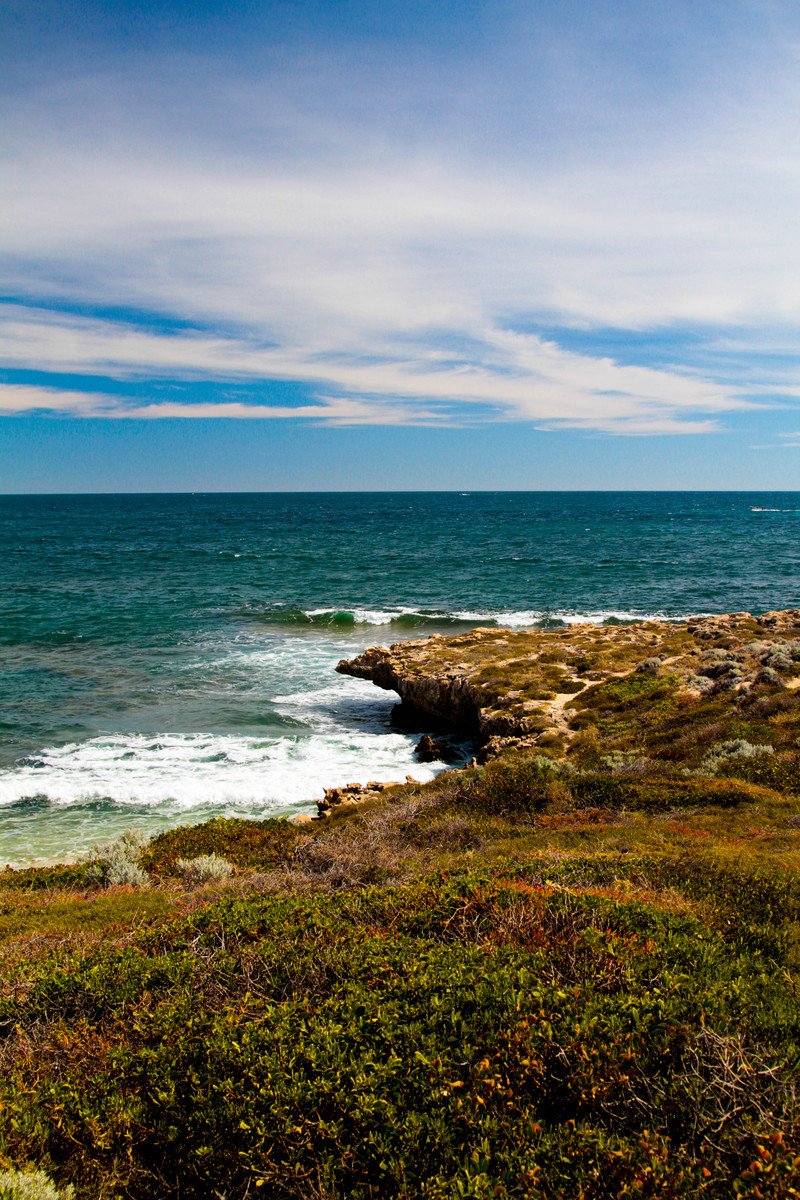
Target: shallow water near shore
x=169 y=658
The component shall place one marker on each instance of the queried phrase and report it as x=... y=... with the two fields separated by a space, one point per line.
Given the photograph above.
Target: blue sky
x=367 y=245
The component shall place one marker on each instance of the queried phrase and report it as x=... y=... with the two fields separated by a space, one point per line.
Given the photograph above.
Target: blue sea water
x=166 y=658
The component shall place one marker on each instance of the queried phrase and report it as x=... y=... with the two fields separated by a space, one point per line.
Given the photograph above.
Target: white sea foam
x=64 y=798
x=320 y=730
x=603 y=615
x=369 y=616
x=186 y=771
x=515 y=619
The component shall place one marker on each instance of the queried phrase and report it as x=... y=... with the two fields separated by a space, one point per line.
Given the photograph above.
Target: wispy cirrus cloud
x=28 y=398
x=266 y=227
x=506 y=376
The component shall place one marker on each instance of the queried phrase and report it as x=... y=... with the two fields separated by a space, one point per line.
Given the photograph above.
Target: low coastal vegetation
x=568 y=971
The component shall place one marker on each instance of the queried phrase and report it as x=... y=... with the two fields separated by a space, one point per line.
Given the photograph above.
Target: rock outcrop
x=350 y=795
x=449 y=697
x=430 y=749
x=507 y=688
x=457 y=695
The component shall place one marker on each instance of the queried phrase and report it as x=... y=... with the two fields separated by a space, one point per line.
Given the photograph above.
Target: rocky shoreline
x=509 y=690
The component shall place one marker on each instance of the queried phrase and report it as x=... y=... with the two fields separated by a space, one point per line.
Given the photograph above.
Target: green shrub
x=509 y=786
x=36 y=879
x=117 y=864
x=517 y=785
x=467 y=1036
x=101 y=913
x=779 y=771
x=32 y=1185
x=247 y=844
x=750 y=907
x=206 y=868
x=660 y=793
x=630 y=691
x=724 y=793
x=728 y=753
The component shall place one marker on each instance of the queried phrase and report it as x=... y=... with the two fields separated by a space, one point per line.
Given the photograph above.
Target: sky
x=367 y=245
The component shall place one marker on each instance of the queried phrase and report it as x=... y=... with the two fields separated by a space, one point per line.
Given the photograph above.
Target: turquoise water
x=168 y=658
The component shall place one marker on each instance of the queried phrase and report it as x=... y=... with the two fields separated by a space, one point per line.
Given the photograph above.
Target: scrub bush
x=33 y=1185
x=656 y=793
x=247 y=844
x=467 y=1036
x=37 y=879
x=117 y=864
x=722 y=755
x=778 y=771
x=518 y=785
x=206 y=868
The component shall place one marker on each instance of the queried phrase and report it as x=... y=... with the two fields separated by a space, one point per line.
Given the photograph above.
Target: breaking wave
x=422 y=618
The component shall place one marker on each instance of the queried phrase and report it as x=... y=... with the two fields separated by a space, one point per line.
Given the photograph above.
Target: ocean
x=169 y=658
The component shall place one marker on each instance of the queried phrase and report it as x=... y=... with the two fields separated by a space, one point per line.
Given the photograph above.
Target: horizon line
x=456 y=491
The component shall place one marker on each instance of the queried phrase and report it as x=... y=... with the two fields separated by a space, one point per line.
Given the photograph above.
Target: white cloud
x=19 y=399
x=393 y=274
x=510 y=377
x=16 y=399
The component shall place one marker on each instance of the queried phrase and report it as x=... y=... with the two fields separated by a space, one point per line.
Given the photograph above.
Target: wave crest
x=410 y=617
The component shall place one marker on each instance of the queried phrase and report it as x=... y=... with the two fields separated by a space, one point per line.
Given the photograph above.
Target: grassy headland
x=570 y=971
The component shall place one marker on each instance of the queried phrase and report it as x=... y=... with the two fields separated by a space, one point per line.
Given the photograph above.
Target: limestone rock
x=788 y=618
x=350 y=795
x=521 y=688
x=430 y=749
x=709 y=628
